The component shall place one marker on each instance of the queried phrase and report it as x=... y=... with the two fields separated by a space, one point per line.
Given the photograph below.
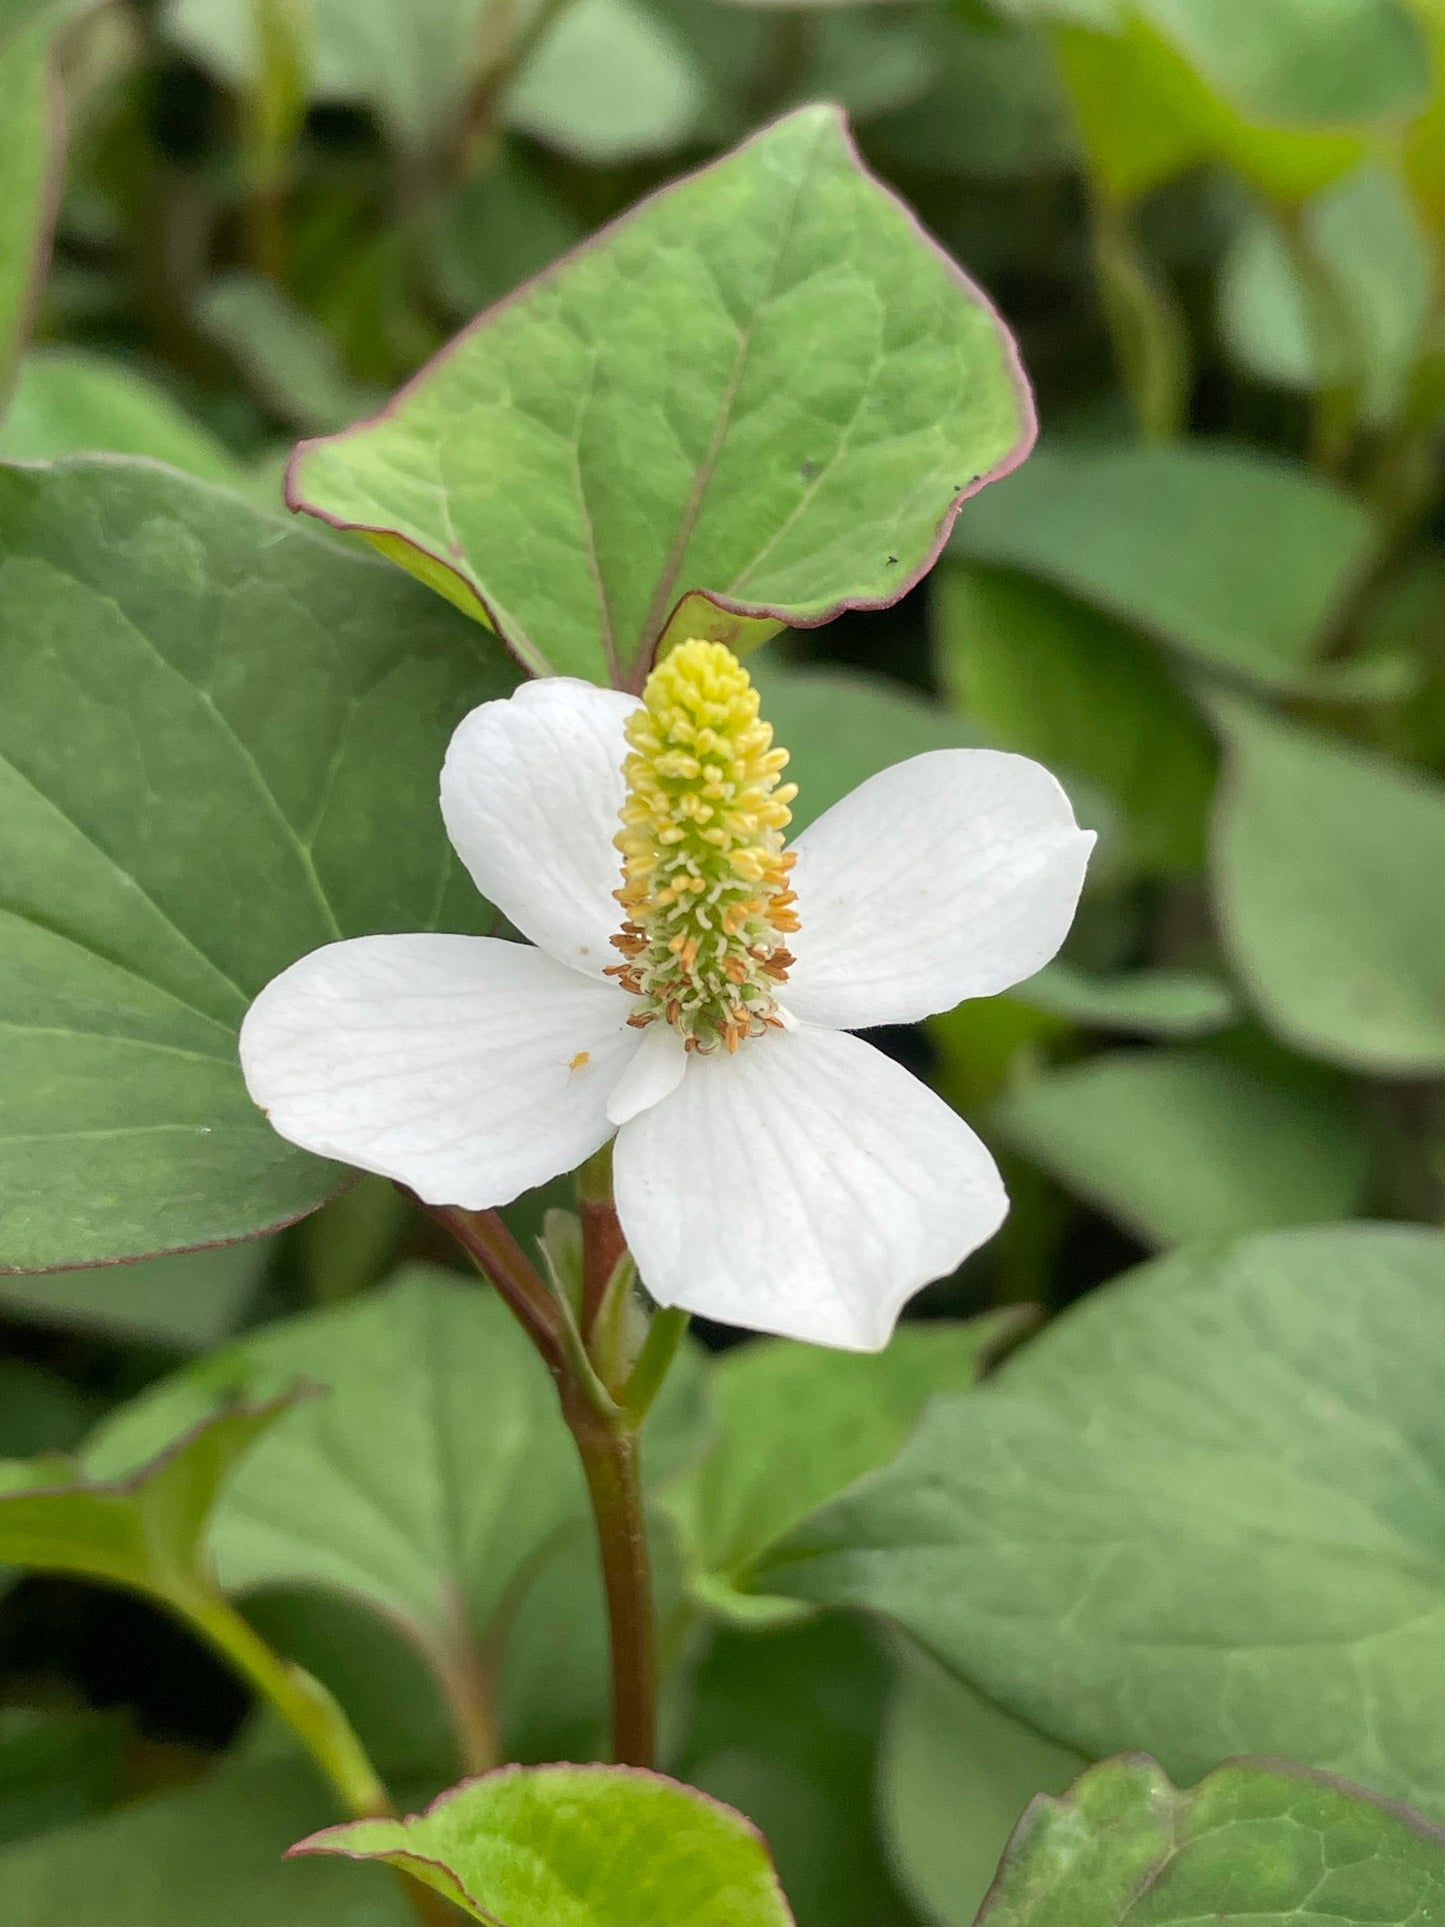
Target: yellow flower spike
x=704 y=871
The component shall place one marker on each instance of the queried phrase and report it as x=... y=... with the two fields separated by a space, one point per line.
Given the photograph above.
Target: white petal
x=467 y=1068
x=655 y=1072
x=952 y=875
x=806 y=1186
x=531 y=790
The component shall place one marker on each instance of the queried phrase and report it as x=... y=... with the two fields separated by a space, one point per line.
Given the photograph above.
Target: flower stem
x=602 y=1240
x=611 y=1457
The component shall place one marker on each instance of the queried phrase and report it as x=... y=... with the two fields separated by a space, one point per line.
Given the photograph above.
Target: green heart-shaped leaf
x=1257 y=1842
x=429 y=1482
x=578 y=1846
x=1199 y=1515
x=1326 y=861
x=213 y=721
x=758 y=399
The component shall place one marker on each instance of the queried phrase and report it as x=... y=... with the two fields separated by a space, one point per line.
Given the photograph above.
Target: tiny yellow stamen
x=704 y=891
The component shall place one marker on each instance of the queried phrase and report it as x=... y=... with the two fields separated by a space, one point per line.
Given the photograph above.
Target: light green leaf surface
x=763 y=386
x=610 y=82
x=795 y=1425
x=1367 y=240
x=1146 y=1003
x=434 y=1473
x=171 y=836
x=579 y=1846
x=70 y=402
x=212 y=1854
x=31 y=155
x=1302 y=62
x=1236 y=559
x=1200 y=1515
x=954 y=1777
x=1258 y=1842
x=146 y=1529
x=784 y=1727
x=1326 y=867
x=189 y=1302
x=1179 y=1144
x=1072 y=687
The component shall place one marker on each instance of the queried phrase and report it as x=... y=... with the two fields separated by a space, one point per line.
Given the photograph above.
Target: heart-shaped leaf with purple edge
x=757 y=399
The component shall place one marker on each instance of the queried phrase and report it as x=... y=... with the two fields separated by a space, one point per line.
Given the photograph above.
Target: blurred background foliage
x=1213 y=601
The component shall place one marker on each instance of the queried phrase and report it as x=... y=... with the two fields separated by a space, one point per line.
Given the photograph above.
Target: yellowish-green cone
x=704 y=873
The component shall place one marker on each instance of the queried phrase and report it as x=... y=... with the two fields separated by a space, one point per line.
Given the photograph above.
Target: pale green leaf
x=1326 y=861
x=172 y=835
x=1366 y=238
x=954 y=1777
x=578 y=1846
x=1303 y=62
x=412 y=64
x=610 y=82
x=1145 y=1003
x=1260 y=1842
x=757 y=399
x=1200 y=1515
x=1179 y=1144
x=1238 y=559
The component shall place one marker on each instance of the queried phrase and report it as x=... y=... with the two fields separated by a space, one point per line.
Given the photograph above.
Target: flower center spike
x=704 y=873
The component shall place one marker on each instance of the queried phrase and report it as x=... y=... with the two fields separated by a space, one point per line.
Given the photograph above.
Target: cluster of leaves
x=1200 y=1515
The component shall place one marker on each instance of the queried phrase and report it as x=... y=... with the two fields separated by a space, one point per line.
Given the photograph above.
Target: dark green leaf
x=1146 y=1003
x=569 y=471
x=212 y=1854
x=189 y=1302
x=69 y=402
x=56 y=1768
x=172 y=835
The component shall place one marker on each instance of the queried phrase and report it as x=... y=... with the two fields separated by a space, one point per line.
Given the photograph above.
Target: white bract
x=771 y=1170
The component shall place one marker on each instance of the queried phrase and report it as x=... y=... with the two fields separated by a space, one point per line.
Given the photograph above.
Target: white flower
x=771 y=1170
